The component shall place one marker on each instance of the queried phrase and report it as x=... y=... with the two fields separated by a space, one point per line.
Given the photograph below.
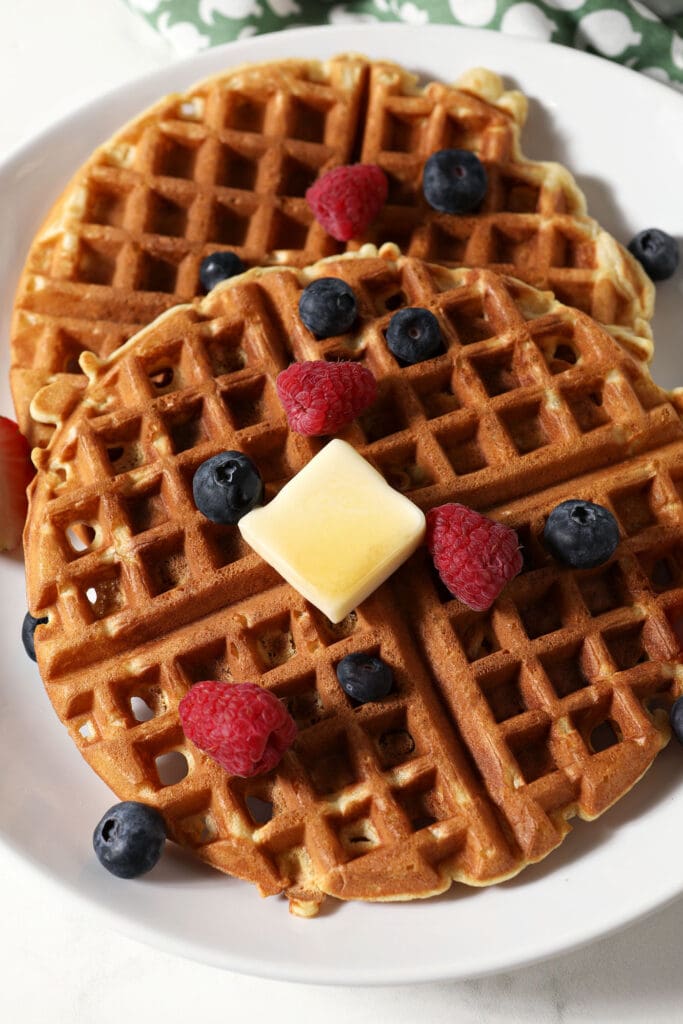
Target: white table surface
x=59 y=963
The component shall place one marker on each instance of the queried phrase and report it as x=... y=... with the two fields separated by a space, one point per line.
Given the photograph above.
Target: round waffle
x=227 y=165
x=503 y=724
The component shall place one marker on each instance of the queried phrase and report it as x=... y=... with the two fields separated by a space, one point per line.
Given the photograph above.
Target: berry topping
x=16 y=473
x=242 y=726
x=28 y=630
x=657 y=251
x=454 y=181
x=676 y=719
x=328 y=307
x=129 y=839
x=321 y=398
x=347 y=199
x=581 y=534
x=414 y=335
x=364 y=677
x=474 y=556
x=217 y=267
x=226 y=487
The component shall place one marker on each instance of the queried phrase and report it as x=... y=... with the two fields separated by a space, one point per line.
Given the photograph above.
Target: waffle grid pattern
x=227 y=166
x=569 y=664
x=531 y=223
x=495 y=734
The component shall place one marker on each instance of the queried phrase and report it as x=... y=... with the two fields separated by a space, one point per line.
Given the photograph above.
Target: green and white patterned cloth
x=626 y=31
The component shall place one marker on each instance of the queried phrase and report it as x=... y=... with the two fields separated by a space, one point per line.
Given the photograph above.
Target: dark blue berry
x=454 y=181
x=129 y=839
x=676 y=719
x=364 y=677
x=581 y=534
x=217 y=267
x=414 y=335
x=328 y=307
x=28 y=630
x=226 y=487
x=657 y=251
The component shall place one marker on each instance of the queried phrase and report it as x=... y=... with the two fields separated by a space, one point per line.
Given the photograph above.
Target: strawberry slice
x=16 y=473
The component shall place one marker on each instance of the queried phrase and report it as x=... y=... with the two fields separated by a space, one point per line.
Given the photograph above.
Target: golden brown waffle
x=227 y=166
x=504 y=724
x=532 y=221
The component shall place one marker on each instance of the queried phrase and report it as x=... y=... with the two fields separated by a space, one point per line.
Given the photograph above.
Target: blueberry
x=28 y=630
x=657 y=251
x=217 y=267
x=454 y=181
x=581 y=534
x=328 y=307
x=226 y=487
x=364 y=677
x=129 y=839
x=676 y=719
x=414 y=335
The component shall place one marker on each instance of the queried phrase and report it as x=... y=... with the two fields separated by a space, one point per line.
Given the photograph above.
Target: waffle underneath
x=227 y=165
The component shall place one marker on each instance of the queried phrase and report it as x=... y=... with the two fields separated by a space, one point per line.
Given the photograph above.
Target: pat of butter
x=336 y=531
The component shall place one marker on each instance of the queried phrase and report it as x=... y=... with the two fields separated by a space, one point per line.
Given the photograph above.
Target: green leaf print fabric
x=626 y=31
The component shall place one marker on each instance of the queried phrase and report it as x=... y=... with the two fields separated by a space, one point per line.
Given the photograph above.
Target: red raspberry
x=474 y=556
x=347 y=199
x=321 y=398
x=242 y=726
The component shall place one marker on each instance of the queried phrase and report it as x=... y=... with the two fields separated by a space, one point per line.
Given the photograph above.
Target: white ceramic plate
x=607 y=873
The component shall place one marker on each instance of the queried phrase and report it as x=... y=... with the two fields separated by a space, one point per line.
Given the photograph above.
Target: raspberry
x=474 y=556
x=321 y=398
x=347 y=199
x=242 y=726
